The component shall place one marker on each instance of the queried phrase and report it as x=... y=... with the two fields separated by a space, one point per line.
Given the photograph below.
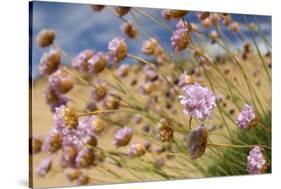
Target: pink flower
x=81 y=61
x=44 y=167
x=123 y=136
x=180 y=40
x=198 y=101
x=117 y=50
x=247 y=117
x=256 y=161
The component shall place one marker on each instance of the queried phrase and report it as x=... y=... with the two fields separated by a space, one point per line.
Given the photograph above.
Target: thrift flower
x=247 y=117
x=97 y=63
x=123 y=136
x=81 y=61
x=44 y=167
x=198 y=101
x=256 y=161
x=50 y=62
x=180 y=40
x=117 y=50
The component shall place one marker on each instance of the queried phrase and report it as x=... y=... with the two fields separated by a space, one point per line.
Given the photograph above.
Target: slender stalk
x=237 y=146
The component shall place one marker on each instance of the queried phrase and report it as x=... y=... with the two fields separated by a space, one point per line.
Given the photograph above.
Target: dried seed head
x=52 y=142
x=234 y=27
x=207 y=23
x=45 y=37
x=180 y=40
x=72 y=174
x=147 y=87
x=61 y=81
x=136 y=150
x=177 y=14
x=50 y=62
x=166 y=133
x=118 y=50
x=84 y=158
x=122 y=11
x=98 y=125
x=81 y=61
x=69 y=117
x=214 y=36
x=123 y=136
x=203 y=15
x=197 y=141
x=36 y=145
x=97 y=63
x=149 y=46
x=90 y=140
x=99 y=91
x=97 y=8
x=185 y=80
x=83 y=180
x=129 y=29
x=111 y=102
x=68 y=156
x=123 y=70
x=44 y=167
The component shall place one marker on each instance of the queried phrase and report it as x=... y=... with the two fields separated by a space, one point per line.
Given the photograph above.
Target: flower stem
x=103 y=111
x=237 y=146
x=264 y=127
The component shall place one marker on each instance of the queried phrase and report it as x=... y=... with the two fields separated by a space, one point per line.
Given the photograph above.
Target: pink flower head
x=198 y=101
x=50 y=62
x=81 y=61
x=246 y=118
x=123 y=136
x=118 y=50
x=149 y=46
x=61 y=82
x=44 y=167
x=97 y=63
x=256 y=161
x=185 y=79
x=180 y=40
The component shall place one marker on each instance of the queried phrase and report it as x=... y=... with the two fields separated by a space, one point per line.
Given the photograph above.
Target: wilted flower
x=136 y=150
x=198 y=101
x=197 y=141
x=175 y=14
x=150 y=73
x=123 y=70
x=45 y=37
x=68 y=156
x=44 y=167
x=50 y=62
x=65 y=117
x=52 y=142
x=111 y=102
x=185 y=80
x=97 y=8
x=147 y=87
x=36 y=145
x=92 y=125
x=256 y=161
x=166 y=133
x=214 y=36
x=54 y=100
x=123 y=136
x=129 y=29
x=84 y=158
x=81 y=61
x=234 y=27
x=61 y=82
x=203 y=15
x=72 y=174
x=121 y=11
x=83 y=180
x=247 y=117
x=99 y=91
x=117 y=50
x=149 y=46
x=227 y=20
x=97 y=63
x=180 y=40
x=207 y=22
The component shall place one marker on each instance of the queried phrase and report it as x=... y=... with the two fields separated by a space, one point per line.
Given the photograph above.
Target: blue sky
x=78 y=28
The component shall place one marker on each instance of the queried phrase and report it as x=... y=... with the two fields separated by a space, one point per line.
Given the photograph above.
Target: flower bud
x=197 y=141
x=45 y=37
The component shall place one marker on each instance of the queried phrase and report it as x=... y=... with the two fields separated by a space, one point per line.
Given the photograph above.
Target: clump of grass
x=233 y=161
